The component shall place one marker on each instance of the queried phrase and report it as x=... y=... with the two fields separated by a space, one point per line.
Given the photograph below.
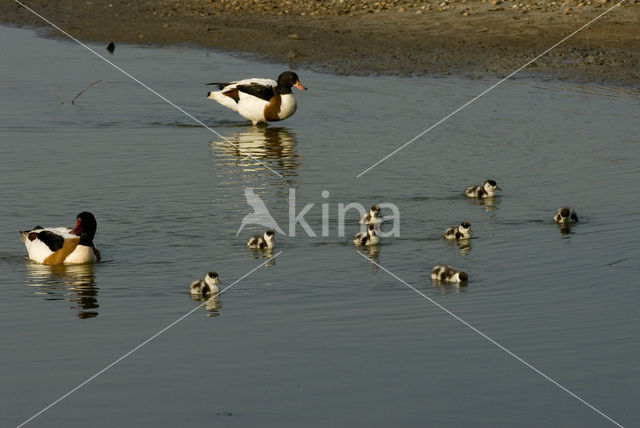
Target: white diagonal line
x=126 y=73
x=492 y=341
x=488 y=89
x=145 y=342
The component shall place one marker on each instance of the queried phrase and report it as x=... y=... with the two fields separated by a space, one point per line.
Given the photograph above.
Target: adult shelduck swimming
x=59 y=245
x=446 y=273
x=259 y=100
x=206 y=286
x=565 y=215
x=487 y=189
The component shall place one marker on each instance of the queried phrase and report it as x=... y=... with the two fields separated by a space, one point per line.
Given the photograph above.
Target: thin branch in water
x=54 y=93
x=82 y=91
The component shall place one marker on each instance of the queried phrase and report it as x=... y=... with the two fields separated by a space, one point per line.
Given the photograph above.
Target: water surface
x=321 y=336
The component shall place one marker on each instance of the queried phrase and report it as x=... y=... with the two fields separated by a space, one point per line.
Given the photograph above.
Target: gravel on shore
x=437 y=37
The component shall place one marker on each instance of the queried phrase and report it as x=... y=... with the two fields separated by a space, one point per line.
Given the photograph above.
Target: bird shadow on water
x=73 y=283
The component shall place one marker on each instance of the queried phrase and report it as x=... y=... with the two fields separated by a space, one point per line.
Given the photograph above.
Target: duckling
x=266 y=241
x=565 y=215
x=206 y=286
x=370 y=238
x=448 y=274
x=372 y=217
x=486 y=190
x=463 y=231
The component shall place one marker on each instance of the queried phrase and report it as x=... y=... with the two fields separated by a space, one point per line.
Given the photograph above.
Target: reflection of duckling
x=373 y=252
x=486 y=190
x=370 y=238
x=463 y=231
x=448 y=274
x=565 y=215
x=266 y=241
x=206 y=286
x=372 y=217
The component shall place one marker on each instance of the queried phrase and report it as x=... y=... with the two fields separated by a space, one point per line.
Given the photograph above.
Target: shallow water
x=320 y=335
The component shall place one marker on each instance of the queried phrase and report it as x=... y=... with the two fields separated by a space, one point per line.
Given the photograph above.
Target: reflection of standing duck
x=273 y=144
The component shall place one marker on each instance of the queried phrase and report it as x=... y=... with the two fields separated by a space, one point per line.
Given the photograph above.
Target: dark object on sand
x=111 y=47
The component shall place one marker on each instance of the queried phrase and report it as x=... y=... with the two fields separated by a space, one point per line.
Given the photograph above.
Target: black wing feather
x=52 y=240
x=257 y=90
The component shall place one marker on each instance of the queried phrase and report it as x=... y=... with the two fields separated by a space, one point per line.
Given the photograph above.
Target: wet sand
x=460 y=37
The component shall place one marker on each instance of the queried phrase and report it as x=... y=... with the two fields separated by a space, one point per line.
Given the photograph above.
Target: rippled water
x=319 y=336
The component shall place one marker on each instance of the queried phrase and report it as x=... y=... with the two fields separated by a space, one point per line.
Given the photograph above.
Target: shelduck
x=259 y=100
x=60 y=245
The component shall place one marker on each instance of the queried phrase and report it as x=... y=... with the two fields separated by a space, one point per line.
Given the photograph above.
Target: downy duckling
x=370 y=238
x=372 y=217
x=486 y=190
x=463 y=231
x=565 y=215
x=266 y=241
x=446 y=273
x=206 y=286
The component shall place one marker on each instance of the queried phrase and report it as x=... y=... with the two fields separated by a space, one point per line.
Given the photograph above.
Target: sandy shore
x=439 y=37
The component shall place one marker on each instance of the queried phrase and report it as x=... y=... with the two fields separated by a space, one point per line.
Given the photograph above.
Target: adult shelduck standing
x=60 y=245
x=259 y=100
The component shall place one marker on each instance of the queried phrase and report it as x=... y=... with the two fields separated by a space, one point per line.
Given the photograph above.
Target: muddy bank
x=469 y=38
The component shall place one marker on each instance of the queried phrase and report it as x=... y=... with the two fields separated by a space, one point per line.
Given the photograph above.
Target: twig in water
x=82 y=91
x=54 y=93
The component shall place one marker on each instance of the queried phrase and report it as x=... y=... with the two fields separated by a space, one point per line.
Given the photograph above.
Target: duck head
x=85 y=228
x=287 y=80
